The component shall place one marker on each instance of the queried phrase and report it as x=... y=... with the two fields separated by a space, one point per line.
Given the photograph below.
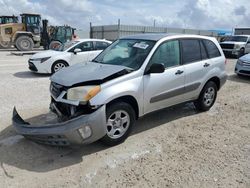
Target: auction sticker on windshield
x=141 y=45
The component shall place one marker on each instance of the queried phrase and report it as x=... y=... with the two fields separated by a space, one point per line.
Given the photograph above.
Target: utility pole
x=154 y=22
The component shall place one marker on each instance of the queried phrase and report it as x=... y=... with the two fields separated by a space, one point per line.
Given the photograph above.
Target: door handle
x=179 y=72
x=206 y=65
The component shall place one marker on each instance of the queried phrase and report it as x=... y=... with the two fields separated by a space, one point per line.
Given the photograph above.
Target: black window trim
x=204 y=46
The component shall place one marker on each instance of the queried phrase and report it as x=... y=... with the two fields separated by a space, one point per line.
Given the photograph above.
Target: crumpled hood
x=46 y=53
x=245 y=58
x=85 y=72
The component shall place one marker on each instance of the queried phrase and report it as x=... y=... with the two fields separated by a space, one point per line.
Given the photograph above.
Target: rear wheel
x=58 y=65
x=24 y=43
x=55 y=45
x=207 y=97
x=120 y=120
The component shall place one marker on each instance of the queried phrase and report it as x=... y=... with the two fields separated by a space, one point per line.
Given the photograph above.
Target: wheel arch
x=127 y=99
x=216 y=80
x=56 y=61
x=20 y=34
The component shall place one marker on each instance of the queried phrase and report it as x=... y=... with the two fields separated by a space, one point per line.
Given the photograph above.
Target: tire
x=5 y=45
x=58 y=65
x=207 y=97
x=55 y=45
x=24 y=43
x=117 y=130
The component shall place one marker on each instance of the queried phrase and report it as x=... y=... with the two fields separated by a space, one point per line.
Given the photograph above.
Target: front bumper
x=64 y=133
x=231 y=51
x=242 y=69
x=36 y=66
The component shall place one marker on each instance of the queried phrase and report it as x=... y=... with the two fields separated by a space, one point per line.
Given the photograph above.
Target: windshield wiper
x=96 y=61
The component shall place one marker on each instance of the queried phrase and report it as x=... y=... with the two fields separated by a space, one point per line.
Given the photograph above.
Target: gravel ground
x=174 y=147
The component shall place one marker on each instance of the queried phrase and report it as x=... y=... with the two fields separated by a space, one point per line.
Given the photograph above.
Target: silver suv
x=134 y=76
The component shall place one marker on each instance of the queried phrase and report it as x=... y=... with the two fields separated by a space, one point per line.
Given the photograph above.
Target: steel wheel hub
x=117 y=124
x=209 y=96
x=59 y=66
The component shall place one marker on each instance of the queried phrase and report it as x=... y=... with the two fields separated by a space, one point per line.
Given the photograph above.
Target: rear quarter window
x=212 y=49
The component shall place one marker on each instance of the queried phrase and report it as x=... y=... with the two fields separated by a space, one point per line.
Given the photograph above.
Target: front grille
x=55 y=140
x=32 y=67
x=245 y=64
x=227 y=46
x=245 y=72
x=56 y=89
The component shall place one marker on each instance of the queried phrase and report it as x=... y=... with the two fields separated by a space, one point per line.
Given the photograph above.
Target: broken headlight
x=83 y=93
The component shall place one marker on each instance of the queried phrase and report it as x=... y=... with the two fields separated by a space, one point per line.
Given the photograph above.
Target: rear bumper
x=84 y=129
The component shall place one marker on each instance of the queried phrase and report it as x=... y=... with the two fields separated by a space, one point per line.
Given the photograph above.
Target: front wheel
x=120 y=120
x=58 y=65
x=207 y=97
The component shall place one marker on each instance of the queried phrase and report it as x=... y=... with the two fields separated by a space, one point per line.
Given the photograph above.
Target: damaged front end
x=76 y=123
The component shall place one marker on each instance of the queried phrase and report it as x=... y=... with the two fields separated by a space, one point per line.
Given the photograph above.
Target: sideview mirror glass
x=77 y=50
x=156 y=68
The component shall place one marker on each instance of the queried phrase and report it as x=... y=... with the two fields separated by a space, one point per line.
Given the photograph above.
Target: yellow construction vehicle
x=24 y=36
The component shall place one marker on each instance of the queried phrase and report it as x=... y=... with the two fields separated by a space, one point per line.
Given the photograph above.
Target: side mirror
x=77 y=50
x=156 y=68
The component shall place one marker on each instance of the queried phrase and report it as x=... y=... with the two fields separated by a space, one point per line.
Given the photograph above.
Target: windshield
x=65 y=46
x=236 y=39
x=126 y=52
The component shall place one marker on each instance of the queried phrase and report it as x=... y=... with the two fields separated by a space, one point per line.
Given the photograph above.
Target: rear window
x=190 y=50
x=212 y=49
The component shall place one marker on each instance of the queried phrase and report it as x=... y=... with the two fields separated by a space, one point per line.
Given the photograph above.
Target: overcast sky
x=198 y=14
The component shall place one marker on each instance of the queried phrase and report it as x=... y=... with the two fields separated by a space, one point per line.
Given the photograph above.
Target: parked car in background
x=243 y=65
x=77 y=51
x=134 y=76
x=236 y=45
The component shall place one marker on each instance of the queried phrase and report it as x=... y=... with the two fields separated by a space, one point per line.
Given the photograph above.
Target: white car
x=78 y=51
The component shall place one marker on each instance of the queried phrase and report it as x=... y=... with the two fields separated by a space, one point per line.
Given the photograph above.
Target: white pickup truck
x=236 y=45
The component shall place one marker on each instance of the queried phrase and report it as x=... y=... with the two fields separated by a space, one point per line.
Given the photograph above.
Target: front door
x=83 y=56
x=164 y=89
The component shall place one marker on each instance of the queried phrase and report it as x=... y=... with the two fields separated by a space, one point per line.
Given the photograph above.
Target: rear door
x=199 y=57
x=164 y=89
x=196 y=63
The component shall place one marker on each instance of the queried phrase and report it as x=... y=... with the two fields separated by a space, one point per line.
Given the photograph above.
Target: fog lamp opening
x=85 y=132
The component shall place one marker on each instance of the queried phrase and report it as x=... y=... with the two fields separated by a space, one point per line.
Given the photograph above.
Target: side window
x=101 y=45
x=203 y=51
x=212 y=49
x=167 y=54
x=190 y=50
x=84 y=46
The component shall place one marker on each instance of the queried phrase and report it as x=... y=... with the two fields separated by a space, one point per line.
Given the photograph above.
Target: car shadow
x=24 y=154
x=29 y=74
x=237 y=78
